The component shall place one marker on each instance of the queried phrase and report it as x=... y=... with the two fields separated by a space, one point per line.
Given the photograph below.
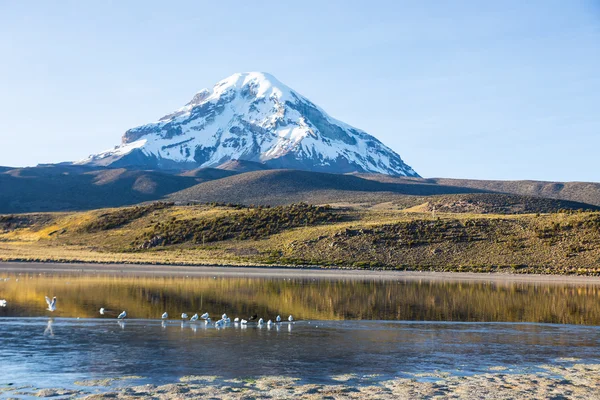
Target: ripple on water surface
x=35 y=349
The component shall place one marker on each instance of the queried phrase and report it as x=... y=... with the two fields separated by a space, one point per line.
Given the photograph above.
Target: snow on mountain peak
x=264 y=84
x=252 y=116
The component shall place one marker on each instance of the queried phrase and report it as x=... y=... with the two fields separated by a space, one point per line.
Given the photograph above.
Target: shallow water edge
x=281 y=272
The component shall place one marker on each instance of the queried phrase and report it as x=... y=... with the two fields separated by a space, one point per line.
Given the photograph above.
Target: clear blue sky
x=466 y=89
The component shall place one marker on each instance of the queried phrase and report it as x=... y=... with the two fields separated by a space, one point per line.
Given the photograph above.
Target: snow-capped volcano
x=252 y=116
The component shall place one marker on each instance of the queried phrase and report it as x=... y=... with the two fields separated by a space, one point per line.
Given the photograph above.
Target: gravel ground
x=577 y=381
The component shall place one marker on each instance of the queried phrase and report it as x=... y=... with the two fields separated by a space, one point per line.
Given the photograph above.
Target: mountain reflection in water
x=305 y=298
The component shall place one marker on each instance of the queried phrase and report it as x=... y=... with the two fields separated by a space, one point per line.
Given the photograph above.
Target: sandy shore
x=283 y=272
x=575 y=381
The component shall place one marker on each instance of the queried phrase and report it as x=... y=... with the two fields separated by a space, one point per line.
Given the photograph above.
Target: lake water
x=365 y=327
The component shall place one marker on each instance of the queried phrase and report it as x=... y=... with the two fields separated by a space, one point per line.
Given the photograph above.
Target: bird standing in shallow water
x=184 y=316
x=194 y=318
x=243 y=322
x=2 y=303
x=51 y=303
x=204 y=316
x=122 y=315
x=102 y=311
x=278 y=319
x=165 y=315
x=290 y=318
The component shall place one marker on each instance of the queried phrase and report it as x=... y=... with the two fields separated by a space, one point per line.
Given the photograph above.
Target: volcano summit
x=253 y=117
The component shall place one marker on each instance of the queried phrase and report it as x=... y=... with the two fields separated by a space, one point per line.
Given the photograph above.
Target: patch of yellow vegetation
x=421 y=208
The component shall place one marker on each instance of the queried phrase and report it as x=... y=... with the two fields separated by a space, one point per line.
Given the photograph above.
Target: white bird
x=184 y=316
x=219 y=323
x=227 y=320
x=224 y=316
x=236 y=319
x=204 y=316
x=165 y=315
x=194 y=318
x=260 y=321
x=102 y=311
x=269 y=322
x=2 y=303
x=122 y=315
x=207 y=321
x=290 y=318
x=278 y=319
x=243 y=322
x=51 y=303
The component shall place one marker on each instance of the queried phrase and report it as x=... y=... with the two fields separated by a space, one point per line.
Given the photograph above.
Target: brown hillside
x=583 y=192
x=59 y=188
x=241 y=166
x=276 y=187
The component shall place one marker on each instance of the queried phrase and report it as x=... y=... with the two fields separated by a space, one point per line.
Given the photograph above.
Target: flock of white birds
x=225 y=320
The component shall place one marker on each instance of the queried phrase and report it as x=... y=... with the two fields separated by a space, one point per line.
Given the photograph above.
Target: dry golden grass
x=546 y=243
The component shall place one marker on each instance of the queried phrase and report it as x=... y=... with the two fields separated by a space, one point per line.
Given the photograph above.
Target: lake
x=380 y=327
x=147 y=297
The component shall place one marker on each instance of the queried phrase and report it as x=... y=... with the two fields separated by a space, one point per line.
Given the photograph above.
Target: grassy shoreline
x=375 y=238
x=172 y=270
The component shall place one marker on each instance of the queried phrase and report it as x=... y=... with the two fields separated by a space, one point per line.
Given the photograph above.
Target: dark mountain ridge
x=80 y=187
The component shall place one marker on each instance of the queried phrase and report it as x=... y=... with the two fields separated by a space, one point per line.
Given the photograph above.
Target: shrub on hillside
x=122 y=217
x=255 y=223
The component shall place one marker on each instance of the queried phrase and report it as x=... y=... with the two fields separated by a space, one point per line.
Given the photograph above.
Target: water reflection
x=49 y=331
x=307 y=299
